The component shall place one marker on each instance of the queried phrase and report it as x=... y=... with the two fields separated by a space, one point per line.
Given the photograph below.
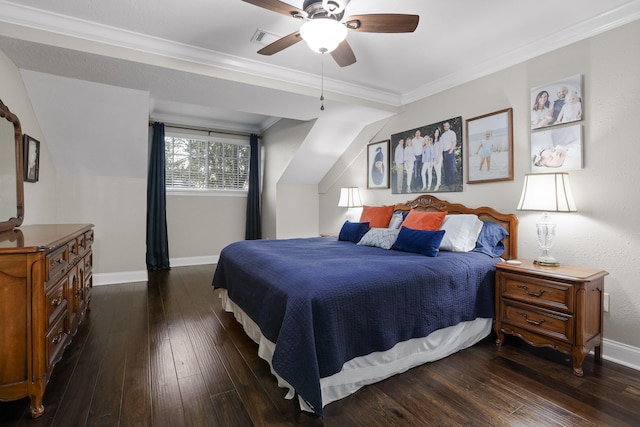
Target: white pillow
x=380 y=237
x=396 y=220
x=461 y=232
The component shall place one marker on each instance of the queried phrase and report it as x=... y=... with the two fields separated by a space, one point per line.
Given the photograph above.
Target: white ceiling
x=197 y=61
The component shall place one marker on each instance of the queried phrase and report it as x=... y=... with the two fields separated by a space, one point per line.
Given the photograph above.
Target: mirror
x=11 y=184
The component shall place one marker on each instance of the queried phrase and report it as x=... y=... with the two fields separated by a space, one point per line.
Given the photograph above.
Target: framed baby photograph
x=378 y=164
x=557 y=149
x=556 y=103
x=490 y=147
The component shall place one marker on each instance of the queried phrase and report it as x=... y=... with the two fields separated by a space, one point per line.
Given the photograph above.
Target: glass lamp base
x=546 y=260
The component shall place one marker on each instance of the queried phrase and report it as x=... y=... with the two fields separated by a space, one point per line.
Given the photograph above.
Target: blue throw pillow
x=490 y=239
x=424 y=242
x=353 y=231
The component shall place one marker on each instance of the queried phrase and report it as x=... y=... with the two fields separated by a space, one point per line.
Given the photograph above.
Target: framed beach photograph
x=378 y=164
x=31 y=155
x=557 y=103
x=428 y=159
x=557 y=149
x=490 y=147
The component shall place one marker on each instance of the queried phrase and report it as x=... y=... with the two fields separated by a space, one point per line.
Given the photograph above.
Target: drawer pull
x=533 y=322
x=533 y=294
x=57 y=301
x=57 y=338
x=57 y=262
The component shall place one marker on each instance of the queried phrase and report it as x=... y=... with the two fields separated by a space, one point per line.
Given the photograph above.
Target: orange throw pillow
x=377 y=216
x=417 y=220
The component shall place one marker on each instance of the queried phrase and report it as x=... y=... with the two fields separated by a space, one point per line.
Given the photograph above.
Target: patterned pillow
x=380 y=237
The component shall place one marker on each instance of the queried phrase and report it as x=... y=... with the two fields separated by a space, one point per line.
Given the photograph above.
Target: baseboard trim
x=101 y=279
x=198 y=260
x=621 y=354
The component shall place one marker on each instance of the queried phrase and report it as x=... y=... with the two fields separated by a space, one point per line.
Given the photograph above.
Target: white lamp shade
x=549 y=192
x=323 y=34
x=349 y=198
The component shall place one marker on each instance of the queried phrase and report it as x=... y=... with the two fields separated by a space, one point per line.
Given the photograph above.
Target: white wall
x=604 y=233
x=94 y=165
x=200 y=226
x=280 y=143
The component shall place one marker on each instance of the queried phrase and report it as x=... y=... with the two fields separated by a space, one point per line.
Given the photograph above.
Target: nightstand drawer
x=538 y=320
x=537 y=291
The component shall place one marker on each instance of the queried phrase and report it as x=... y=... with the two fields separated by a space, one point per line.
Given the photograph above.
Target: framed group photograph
x=557 y=103
x=378 y=164
x=428 y=159
x=31 y=155
x=490 y=147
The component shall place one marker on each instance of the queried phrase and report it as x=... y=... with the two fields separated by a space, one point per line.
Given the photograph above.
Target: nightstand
x=557 y=307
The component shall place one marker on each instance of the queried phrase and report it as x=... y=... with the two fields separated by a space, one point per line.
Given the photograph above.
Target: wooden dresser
x=45 y=291
x=557 y=307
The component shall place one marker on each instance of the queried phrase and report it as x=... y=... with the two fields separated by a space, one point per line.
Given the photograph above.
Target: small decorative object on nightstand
x=557 y=307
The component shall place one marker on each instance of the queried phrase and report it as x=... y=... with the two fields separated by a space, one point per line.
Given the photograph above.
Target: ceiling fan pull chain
x=322 y=82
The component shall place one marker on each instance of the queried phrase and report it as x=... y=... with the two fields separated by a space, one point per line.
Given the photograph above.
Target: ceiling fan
x=324 y=18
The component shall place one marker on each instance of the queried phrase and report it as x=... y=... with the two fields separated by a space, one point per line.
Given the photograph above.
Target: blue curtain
x=254 y=222
x=157 y=240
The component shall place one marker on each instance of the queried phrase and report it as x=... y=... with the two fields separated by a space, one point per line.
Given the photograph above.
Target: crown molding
x=33 y=18
x=38 y=19
x=586 y=29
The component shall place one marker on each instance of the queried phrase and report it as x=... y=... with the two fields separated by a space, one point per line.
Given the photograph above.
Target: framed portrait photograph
x=490 y=147
x=31 y=156
x=428 y=159
x=557 y=149
x=378 y=164
x=557 y=103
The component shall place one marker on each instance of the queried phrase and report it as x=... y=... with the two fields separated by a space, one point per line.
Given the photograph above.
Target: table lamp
x=349 y=198
x=547 y=192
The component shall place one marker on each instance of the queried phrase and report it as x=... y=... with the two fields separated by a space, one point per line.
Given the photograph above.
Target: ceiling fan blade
x=383 y=23
x=278 y=6
x=343 y=54
x=281 y=44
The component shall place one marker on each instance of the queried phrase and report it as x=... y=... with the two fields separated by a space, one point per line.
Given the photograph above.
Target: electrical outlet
x=606 y=302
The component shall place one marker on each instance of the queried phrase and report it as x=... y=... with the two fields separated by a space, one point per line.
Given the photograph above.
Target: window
x=200 y=163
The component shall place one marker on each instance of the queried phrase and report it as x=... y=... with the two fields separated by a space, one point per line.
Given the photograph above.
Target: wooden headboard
x=428 y=202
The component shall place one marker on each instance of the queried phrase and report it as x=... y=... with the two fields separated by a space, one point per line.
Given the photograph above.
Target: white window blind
x=197 y=163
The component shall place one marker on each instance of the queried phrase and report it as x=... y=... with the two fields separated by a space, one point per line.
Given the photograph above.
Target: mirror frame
x=17 y=220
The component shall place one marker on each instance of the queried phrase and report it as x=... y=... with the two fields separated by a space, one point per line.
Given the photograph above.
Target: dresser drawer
x=549 y=323
x=56 y=341
x=553 y=295
x=88 y=239
x=56 y=263
x=56 y=300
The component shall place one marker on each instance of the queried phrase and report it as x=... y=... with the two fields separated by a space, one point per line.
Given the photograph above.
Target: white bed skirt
x=376 y=366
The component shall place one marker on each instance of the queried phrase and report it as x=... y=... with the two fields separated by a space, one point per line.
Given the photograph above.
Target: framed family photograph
x=428 y=159
x=378 y=164
x=557 y=103
x=490 y=147
x=31 y=155
x=557 y=149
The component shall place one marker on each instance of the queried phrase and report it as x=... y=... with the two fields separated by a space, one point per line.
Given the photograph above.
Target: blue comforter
x=324 y=301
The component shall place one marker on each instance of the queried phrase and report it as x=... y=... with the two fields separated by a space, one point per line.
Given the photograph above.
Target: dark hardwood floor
x=163 y=353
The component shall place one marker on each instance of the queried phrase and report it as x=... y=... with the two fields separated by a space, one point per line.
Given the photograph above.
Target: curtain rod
x=197 y=128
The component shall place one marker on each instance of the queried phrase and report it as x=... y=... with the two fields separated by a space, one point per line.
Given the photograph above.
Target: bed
x=331 y=316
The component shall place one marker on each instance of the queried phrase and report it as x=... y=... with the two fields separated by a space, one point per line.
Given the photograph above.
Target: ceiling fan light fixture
x=323 y=35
